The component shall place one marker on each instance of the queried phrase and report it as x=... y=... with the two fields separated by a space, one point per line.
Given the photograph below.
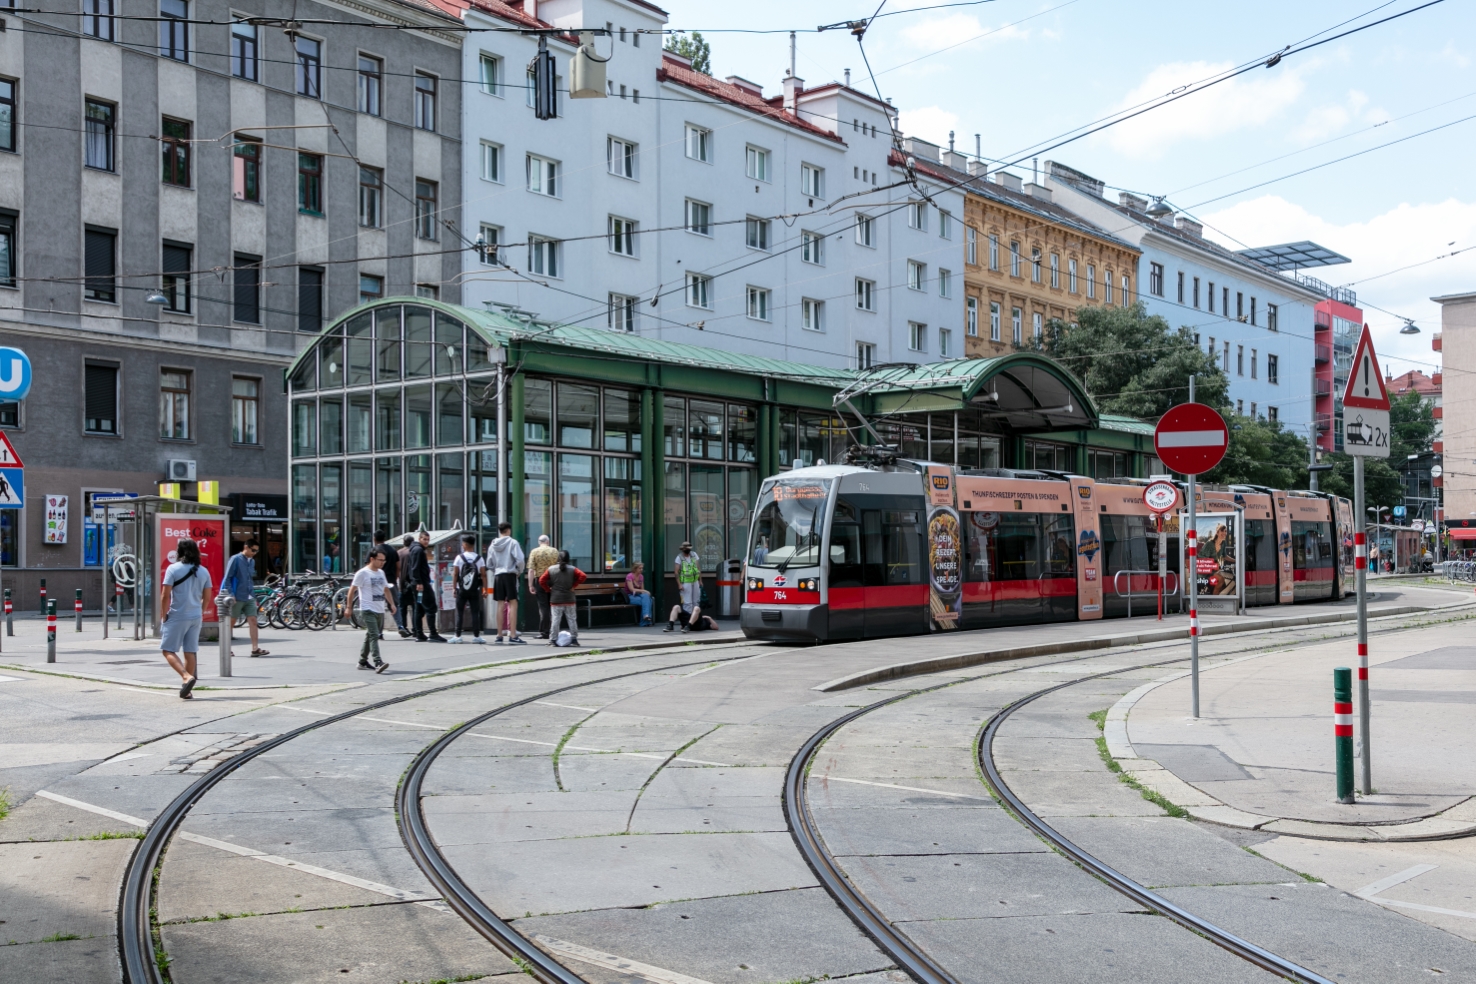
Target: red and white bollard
x=77 y=607
x=51 y=632
x=1360 y=552
x=1191 y=552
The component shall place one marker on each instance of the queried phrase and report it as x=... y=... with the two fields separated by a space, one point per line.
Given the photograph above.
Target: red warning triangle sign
x=8 y=457
x=1366 y=380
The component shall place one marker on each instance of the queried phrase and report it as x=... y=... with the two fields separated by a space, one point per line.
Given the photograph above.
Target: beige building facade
x=1456 y=344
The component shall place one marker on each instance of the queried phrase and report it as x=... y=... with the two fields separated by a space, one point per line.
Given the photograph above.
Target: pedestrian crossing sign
x=12 y=488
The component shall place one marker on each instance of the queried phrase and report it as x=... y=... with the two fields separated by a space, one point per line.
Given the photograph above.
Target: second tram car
x=851 y=552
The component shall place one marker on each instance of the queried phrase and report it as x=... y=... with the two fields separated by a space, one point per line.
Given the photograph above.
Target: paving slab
x=747 y=745
x=583 y=771
x=87 y=961
x=1079 y=794
x=498 y=818
x=41 y=819
x=454 y=774
x=68 y=887
x=304 y=830
x=959 y=829
x=906 y=795
x=1163 y=851
x=1017 y=753
x=895 y=764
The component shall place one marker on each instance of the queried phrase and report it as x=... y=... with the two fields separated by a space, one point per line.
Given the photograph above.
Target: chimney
x=1007 y=180
x=955 y=160
x=530 y=7
x=1188 y=225
x=1133 y=202
x=753 y=88
x=793 y=86
x=978 y=169
x=848 y=78
x=921 y=149
x=1038 y=191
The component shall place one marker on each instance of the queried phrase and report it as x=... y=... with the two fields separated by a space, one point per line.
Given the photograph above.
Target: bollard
x=78 y=605
x=9 y=623
x=43 y=596
x=117 y=603
x=1343 y=731
x=224 y=619
x=51 y=632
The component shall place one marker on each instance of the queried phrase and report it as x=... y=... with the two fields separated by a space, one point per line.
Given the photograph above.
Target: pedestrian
x=635 y=591
x=688 y=569
x=541 y=559
x=559 y=581
x=391 y=572
x=471 y=580
x=418 y=561
x=182 y=599
x=402 y=586
x=692 y=619
x=236 y=586
x=372 y=591
x=505 y=559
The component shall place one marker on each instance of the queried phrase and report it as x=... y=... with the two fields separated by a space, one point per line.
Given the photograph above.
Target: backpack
x=689 y=570
x=469 y=572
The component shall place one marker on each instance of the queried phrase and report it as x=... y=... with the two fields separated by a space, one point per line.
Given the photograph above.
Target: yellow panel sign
x=210 y=493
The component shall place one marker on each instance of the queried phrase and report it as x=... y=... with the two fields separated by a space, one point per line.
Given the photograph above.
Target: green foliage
x=1132 y=363
x=694 y=47
x=1262 y=452
x=60 y=937
x=1412 y=431
x=4 y=802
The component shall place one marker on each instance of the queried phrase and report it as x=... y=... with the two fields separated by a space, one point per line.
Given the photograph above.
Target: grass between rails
x=1172 y=809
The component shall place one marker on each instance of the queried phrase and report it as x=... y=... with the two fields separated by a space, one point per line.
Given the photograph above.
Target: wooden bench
x=606 y=600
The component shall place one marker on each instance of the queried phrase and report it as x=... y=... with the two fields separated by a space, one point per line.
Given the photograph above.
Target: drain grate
x=127 y=662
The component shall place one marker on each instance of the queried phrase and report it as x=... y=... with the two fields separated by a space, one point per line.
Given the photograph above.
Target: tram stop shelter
x=620 y=447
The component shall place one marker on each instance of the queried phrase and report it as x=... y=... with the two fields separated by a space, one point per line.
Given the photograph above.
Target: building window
x=620 y=157
x=1272 y=370
x=865 y=294
x=1271 y=318
x=1017 y=318
x=620 y=312
x=176 y=281
x=244 y=51
x=945 y=343
x=1253 y=409
x=247 y=289
x=491 y=162
x=174 y=405
x=1224 y=301
x=1240 y=360
x=756 y=233
x=310 y=184
x=1107 y=286
x=1014 y=259
x=993 y=251
x=8 y=252
x=543 y=176
x=971 y=317
x=426 y=194
x=1035 y=265
x=425 y=101
x=864 y=231
x=1240 y=408
x=245 y=410
x=543 y=256
x=945 y=283
x=1035 y=323
x=698 y=288
x=699 y=217
x=1181 y=286
x=309 y=299
x=865 y=355
x=491 y=74
x=100 y=257
x=97 y=19
x=174 y=29
x=994 y=321
x=7 y=114
x=1071 y=275
x=309 y=67
x=371 y=84
x=917 y=336
x=175 y=140
x=100 y=414
x=1239 y=305
x=812 y=247
x=812 y=181
x=699 y=143
x=1055 y=272
x=246 y=170
x=945 y=224
x=1127 y=290
x=371 y=197
x=622 y=236
x=1196 y=292
x=1155 y=279
x=917 y=215
x=490 y=238
x=370 y=288
x=758 y=303
x=812 y=315
x=971 y=245
x=1253 y=309
x=1091 y=281
x=1225 y=361
x=917 y=275
x=99 y=134
x=1271 y=414
x=1253 y=363
x=757 y=164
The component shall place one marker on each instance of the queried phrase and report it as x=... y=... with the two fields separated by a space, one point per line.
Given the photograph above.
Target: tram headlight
x=755 y=584
x=809 y=584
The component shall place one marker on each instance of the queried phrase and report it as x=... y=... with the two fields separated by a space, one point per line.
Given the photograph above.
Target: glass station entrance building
x=621 y=447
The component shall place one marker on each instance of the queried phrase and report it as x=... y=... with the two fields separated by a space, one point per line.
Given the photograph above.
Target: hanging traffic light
x=545 y=82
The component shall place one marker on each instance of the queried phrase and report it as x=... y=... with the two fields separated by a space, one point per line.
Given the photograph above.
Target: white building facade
x=691 y=209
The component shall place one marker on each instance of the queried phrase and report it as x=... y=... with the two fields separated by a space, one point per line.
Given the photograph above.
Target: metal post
x=224 y=619
x=1162 y=564
x=1360 y=568
x=51 y=632
x=1343 y=731
x=43 y=596
x=9 y=622
x=118 y=603
x=503 y=444
x=77 y=605
x=1191 y=540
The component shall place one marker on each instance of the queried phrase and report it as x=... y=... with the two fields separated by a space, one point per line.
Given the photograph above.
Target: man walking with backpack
x=505 y=558
x=470 y=580
x=688 y=570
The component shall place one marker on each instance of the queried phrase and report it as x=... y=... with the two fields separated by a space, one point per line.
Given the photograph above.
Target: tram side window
x=1060 y=542
x=846 y=570
x=1018 y=548
x=981 y=546
x=1126 y=545
x=892 y=542
x=1311 y=545
x=1260 y=546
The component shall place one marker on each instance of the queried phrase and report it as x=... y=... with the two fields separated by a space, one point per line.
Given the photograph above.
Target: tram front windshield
x=791 y=522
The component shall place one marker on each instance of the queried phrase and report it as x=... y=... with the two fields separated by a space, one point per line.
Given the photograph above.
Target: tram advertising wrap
x=945 y=550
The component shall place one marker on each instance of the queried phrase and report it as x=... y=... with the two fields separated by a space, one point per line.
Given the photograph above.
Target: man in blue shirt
x=237 y=582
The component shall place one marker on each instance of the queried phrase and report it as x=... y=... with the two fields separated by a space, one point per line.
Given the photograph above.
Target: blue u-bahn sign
x=15 y=375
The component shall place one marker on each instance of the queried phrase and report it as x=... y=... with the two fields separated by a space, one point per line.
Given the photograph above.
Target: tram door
x=894 y=570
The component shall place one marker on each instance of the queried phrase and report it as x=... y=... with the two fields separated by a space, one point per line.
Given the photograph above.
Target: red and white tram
x=851 y=552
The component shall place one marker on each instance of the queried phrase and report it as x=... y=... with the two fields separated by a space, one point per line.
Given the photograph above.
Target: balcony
x=1438 y=413
x=1324 y=423
x=1437 y=446
x=1435 y=342
x=1437 y=378
x=1322 y=387
x=1323 y=353
x=1323 y=320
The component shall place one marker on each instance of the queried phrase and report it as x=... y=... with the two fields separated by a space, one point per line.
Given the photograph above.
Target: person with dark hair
x=419 y=575
x=471 y=580
x=236 y=590
x=182 y=598
x=372 y=592
x=391 y=571
x=402 y=585
x=559 y=581
x=505 y=560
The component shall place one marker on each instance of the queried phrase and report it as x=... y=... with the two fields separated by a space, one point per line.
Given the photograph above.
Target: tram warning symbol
x=1366 y=404
x=1191 y=438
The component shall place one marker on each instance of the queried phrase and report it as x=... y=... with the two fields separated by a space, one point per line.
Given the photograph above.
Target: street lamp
x=157 y=297
x=1410 y=328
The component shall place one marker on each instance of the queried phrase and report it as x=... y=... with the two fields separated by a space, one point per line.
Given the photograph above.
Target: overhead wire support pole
x=1360 y=575
x=1191 y=550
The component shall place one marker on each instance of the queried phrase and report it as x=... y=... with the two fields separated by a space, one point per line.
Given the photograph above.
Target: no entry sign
x=1191 y=438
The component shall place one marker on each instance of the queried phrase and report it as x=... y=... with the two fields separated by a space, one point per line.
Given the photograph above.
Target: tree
x=1262 y=452
x=1411 y=431
x=695 y=48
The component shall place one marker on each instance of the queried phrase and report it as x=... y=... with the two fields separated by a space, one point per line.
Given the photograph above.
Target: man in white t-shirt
x=471 y=580
x=372 y=590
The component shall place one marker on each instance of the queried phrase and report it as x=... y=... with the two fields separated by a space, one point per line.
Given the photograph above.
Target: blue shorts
x=180 y=635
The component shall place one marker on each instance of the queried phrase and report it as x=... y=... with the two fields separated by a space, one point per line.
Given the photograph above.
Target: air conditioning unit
x=181 y=470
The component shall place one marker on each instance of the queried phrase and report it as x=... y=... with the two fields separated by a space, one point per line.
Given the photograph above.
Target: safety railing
x=1171 y=578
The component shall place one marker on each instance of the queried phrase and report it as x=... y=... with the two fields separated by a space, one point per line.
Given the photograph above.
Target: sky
x=1020 y=72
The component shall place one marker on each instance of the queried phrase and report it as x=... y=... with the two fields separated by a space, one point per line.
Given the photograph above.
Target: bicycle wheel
x=294 y=611
x=263 y=612
x=320 y=613
x=340 y=606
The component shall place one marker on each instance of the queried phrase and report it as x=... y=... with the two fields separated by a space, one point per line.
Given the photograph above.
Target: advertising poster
x=1218 y=564
x=945 y=550
x=56 y=519
x=211 y=535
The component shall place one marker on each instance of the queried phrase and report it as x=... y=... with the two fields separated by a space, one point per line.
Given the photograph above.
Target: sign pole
x=1360 y=568
x=1193 y=541
x=1162 y=565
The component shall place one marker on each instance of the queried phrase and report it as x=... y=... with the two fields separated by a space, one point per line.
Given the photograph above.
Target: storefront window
x=482 y=466
x=417 y=416
x=332 y=487
x=304 y=378
x=305 y=516
x=448 y=415
x=707 y=536
x=387 y=497
x=706 y=433
x=330 y=425
x=940 y=438
x=481 y=404
x=622 y=421
x=419 y=506
x=674 y=510
x=360 y=419
x=448 y=345
x=675 y=425
x=622 y=539
x=331 y=357
x=742 y=484
x=386 y=420
x=417 y=342
x=537 y=495
x=387 y=336
x=360 y=355
x=577 y=504
x=537 y=412
x=579 y=415
x=304 y=428
x=360 y=513
x=742 y=434
x=451 y=495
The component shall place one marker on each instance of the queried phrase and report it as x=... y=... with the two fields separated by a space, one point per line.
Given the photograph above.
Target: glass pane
x=579 y=416
x=387 y=338
x=577 y=509
x=387 y=420
x=622 y=424
x=476 y=354
x=417 y=416
x=481 y=403
x=419 y=507
x=674 y=518
x=330 y=426
x=387 y=497
x=360 y=418
x=305 y=517
x=360 y=513
x=330 y=354
x=448 y=345
x=332 y=487
x=448 y=415
x=706 y=432
x=417 y=342
x=451 y=492
x=360 y=352
x=742 y=435
x=742 y=483
x=622 y=537
x=941 y=440
x=537 y=412
x=304 y=378
x=483 y=466
x=537 y=494
x=675 y=425
x=708 y=539
x=788 y=434
x=304 y=427
x=914 y=439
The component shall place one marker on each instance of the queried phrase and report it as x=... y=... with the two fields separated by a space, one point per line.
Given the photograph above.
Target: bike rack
x=1171 y=578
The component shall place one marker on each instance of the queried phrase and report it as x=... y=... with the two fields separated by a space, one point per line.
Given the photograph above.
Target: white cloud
x=1407 y=234
x=1248 y=100
x=931 y=123
x=942 y=32
x=1325 y=121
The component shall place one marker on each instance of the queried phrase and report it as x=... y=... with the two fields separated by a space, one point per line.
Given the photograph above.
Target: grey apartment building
x=189 y=190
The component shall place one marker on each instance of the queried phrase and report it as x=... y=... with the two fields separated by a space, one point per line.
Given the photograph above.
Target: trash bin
x=730 y=588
